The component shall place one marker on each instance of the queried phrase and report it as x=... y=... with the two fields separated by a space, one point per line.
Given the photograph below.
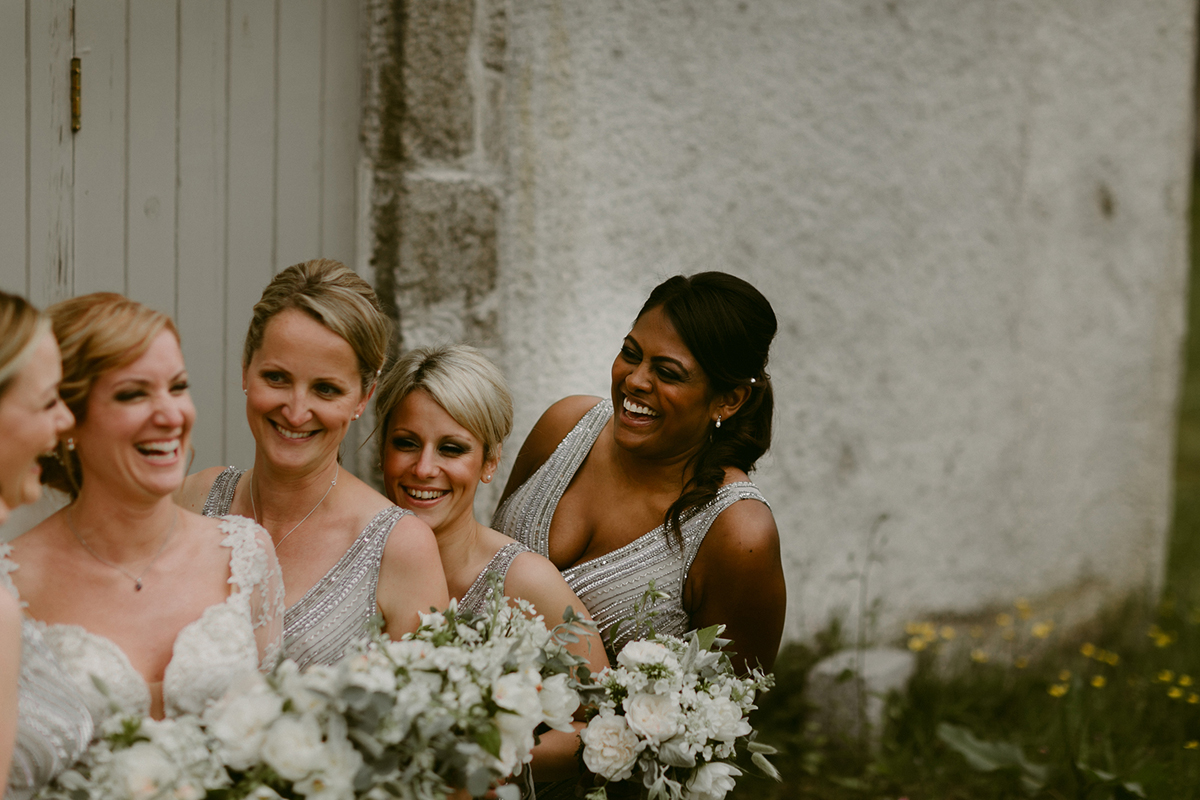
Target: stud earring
x=356 y=416
x=245 y=391
x=71 y=444
x=487 y=478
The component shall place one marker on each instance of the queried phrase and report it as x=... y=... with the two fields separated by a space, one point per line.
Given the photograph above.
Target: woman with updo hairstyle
x=314 y=350
x=149 y=608
x=653 y=492
x=444 y=413
x=44 y=724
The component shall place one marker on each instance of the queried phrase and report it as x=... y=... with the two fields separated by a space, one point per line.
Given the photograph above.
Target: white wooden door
x=218 y=143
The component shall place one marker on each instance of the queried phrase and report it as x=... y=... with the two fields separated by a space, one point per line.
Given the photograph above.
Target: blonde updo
x=96 y=333
x=21 y=326
x=459 y=379
x=333 y=295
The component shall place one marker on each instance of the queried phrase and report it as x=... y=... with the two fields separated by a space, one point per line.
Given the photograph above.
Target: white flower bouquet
x=670 y=716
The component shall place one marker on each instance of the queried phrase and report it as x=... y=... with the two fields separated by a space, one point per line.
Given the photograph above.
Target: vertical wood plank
x=341 y=115
x=150 y=272
x=201 y=214
x=249 y=201
x=51 y=270
x=13 y=120
x=101 y=43
x=298 y=149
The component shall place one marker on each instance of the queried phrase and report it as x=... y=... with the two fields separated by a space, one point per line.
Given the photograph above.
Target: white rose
x=725 y=720
x=559 y=702
x=711 y=781
x=610 y=749
x=293 y=747
x=336 y=780
x=241 y=718
x=516 y=739
x=653 y=716
x=518 y=691
x=145 y=770
x=641 y=653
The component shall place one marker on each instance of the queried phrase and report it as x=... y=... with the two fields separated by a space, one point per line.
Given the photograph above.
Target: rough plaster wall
x=970 y=218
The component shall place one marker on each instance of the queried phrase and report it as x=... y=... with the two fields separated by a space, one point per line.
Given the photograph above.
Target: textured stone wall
x=970 y=218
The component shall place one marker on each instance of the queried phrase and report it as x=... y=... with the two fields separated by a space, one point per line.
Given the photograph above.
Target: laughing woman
x=315 y=348
x=44 y=724
x=659 y=490
x=166 y=608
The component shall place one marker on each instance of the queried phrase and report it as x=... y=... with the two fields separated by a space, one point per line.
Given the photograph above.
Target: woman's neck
x=120 y=529
x=277 y=494
x=459 y=542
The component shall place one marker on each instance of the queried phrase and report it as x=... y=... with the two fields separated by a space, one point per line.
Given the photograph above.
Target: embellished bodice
x=476 y=598
x=241 y=634
x=335 y=611
x=611 y=584
x=53 y=724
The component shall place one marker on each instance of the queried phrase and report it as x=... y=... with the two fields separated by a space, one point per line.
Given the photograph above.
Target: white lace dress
x=230 y=638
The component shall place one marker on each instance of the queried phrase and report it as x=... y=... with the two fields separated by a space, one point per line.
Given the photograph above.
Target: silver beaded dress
x=611 y=584
x=335 y=611
x=475 y=599
x=54 y=725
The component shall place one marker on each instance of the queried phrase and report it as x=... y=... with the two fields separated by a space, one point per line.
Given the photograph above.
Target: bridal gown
x=335 y=611
x=241 y=634
x=611 y=584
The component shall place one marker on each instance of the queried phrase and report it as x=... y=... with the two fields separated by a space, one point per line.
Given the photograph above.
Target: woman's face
x=302 y=392
x=431 y=464
x=663 y=405
x=135 y=438
x=31 y=418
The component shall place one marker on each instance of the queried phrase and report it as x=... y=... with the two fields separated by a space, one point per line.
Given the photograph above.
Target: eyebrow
x=662 y=359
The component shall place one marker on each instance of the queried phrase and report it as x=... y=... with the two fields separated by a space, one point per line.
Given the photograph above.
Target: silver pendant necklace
x=254 y=509
x=137 y=579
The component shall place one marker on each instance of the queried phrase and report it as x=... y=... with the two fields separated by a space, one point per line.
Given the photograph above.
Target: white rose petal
x=559 y=702
x=653 y=716
x=711 y=781
x=725 y=720
x=640 y=652
x=241 y=718
x=293 y=747
x=518 y=691
x=144 y=770
x=610 y=748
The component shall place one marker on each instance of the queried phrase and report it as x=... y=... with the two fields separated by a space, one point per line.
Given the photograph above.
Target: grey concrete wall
x=971 y=218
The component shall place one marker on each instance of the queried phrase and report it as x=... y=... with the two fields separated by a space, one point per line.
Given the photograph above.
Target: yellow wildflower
x=1098 y=681
x=1004 y=620
x=912 y=628
x=1110 y=658
x=1192 y=745
x=916 y=644
x=978 y=656
x=1194 y=698
x=1064 y=675
x=1166 y=676
x=1057 y=690
x=1185 y=680
x=948 y=632
x=1023 y=608
x=976 y=631
x=1175 y=693
x=1088 y=649
x=1021 y=662
x=1042 y=629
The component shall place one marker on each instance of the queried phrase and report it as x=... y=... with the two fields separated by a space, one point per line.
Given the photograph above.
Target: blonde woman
x=165 y=607
x=44 y=724
x=316 y=345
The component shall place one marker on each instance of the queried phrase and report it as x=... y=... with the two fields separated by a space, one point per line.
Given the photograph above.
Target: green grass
x=1083 y=727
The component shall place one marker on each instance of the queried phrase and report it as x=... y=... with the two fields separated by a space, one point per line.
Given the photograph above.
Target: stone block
x=438 y=101
x=495 y=33
x=849 y=690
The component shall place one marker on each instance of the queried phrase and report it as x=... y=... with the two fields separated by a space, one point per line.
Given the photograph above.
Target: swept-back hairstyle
x=461 y=380
x=21 y=326
x=727 y=325
x=97 y=333
x=333 y=295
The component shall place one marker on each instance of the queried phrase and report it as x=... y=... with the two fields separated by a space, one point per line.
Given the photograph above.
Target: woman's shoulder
x=743 y=533
x=196 y=488
x=550 y=429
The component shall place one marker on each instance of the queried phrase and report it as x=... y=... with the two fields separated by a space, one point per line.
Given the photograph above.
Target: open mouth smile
x=638 y=409
x=162 y=450
x=290 y=434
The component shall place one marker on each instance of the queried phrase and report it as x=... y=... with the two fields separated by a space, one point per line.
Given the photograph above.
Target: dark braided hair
x=728 y=326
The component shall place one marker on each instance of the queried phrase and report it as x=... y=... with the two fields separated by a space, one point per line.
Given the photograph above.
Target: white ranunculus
x=725 y=720
x=144 y=770
x=559 y=702
x=610 y=748
x=293 y=747
x=653 y=716
x=640 y=653
x=711 y=781
x=241 y=718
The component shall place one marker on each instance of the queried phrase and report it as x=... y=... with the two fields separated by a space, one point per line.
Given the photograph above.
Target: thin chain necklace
x=137 y=579
x=332 y=484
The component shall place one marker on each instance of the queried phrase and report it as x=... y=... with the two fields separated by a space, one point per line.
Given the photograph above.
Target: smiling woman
x=162 y=607
x=315 y=348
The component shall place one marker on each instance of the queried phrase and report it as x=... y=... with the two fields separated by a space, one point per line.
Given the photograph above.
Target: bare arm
x=10 y=668
x=411 y=579
x=737 y=580
x=554 y=425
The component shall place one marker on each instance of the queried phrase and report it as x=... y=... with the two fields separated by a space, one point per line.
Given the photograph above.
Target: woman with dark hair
x=651 y=493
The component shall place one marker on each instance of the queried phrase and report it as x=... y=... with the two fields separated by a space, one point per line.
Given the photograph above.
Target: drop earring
x=718 y=420
x=71 y=444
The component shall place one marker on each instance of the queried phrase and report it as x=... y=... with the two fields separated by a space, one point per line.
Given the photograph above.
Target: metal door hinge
x=76 y=121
